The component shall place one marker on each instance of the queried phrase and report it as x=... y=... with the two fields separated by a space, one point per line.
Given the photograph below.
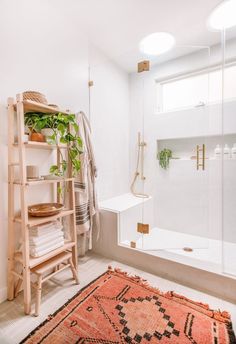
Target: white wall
x=110 y=122
x=41 y=50
x=37 y=56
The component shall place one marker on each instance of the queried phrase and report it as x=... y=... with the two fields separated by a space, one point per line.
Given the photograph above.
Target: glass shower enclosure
x=181 y=201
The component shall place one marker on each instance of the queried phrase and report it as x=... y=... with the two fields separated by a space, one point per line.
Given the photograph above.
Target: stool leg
x=74 y=272
x=38 y=295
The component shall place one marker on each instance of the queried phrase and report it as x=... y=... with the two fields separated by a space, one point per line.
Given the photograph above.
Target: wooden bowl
x=45 y=209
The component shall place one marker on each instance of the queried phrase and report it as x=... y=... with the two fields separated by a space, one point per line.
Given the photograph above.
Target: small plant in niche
x=64 y=129
x=164 y=157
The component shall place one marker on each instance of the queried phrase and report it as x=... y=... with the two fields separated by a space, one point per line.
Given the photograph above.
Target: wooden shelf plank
x=39 y=260
x=41 y=145
x=31 y=106
x=43 y=181
x=34 y=221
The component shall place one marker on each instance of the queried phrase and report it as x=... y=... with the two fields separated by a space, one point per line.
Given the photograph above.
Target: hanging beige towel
x=87 y=214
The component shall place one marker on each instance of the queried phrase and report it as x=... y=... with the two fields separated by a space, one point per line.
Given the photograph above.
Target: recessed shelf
x=207 y=159
x=38 y=260
x=34 y=221
x=204 y=137
x=41 y=145
x=30 y=106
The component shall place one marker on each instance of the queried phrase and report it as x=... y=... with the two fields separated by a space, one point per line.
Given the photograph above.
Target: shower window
x=191 y=90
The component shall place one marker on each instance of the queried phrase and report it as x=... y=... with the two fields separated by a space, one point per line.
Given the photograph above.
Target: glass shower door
x=179 y=153
x=229 y=142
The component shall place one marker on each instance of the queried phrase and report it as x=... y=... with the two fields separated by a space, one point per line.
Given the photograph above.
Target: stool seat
x=54 y=265
x=51 y=263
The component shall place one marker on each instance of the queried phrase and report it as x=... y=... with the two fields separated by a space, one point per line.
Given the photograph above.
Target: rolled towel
x=41 y=253
x=38 y=240
x=36 y=250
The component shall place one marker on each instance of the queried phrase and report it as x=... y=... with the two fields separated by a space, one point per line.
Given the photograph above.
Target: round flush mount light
x=157 y=43
x=223 y=16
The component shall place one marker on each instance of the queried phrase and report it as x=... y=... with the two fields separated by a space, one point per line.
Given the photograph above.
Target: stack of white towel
x=45 y=238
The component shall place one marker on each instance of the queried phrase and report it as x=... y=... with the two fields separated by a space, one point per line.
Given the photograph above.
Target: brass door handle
x=201 y=159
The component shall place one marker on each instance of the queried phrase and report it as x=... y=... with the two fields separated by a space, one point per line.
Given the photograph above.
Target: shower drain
x=188 y=249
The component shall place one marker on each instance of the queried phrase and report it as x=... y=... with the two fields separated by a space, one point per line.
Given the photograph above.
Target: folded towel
x=47 y=228
x=38 y=240
x=46 y=225
x=41 y=253
x=42 y=247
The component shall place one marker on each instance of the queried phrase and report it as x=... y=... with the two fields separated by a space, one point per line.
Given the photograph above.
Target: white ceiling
x=117 y=26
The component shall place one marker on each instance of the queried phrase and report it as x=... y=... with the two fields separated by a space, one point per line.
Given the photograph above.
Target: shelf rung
x=39 y=260
x=14 y=164
x=43 y=181
x=30 y=105
x=34 y=221
x=41 y=145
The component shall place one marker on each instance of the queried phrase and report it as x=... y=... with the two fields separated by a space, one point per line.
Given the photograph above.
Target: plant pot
x=47 y=132
x=38 y=137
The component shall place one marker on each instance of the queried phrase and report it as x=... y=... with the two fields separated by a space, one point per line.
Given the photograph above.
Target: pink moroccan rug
x=118 y=308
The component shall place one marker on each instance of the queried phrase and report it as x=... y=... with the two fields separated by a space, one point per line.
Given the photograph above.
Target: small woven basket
x=35 y=96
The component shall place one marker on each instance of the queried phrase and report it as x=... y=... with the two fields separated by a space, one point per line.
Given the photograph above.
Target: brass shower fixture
x=143 y=66
x=139 y=173
x=143 y=228
x=201 y=160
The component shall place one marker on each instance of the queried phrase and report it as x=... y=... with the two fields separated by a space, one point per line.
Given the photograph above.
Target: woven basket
x=35 y=96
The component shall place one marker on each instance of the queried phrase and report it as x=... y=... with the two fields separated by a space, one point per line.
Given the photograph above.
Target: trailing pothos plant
x=164 y=157
x=65 y=131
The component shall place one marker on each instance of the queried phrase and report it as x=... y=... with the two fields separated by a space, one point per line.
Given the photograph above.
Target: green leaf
x=63 y=140
x=76 y=127
x=79 y=141
x=61 y=128
x=64 y=166
x=54 y=169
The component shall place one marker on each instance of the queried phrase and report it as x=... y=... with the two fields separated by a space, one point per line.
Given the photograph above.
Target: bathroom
x=160 y=100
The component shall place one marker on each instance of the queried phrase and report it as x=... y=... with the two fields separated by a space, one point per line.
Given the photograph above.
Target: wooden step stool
x=56 y=264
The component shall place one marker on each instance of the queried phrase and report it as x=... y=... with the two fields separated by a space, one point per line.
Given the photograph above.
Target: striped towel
x=87 y=213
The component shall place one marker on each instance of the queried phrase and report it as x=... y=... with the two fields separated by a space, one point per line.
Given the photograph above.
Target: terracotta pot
x=37 y=137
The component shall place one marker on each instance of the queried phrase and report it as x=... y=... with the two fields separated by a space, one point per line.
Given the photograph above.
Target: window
x=196 y=90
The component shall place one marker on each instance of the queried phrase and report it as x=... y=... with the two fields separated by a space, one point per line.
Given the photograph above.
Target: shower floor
x=206 y=253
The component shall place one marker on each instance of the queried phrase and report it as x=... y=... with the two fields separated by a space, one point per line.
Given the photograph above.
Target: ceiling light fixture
x=157 y=43
x=223 y=16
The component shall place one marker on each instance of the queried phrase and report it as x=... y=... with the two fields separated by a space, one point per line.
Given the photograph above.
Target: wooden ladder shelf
x=16 y=111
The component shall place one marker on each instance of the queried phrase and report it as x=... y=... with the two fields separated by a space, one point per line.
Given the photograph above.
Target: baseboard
x=3 y=294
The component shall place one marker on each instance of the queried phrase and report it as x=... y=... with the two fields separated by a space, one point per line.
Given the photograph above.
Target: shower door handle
x=201 y=159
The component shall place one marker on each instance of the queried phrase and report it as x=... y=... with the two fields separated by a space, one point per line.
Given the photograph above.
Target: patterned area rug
x=118 y=308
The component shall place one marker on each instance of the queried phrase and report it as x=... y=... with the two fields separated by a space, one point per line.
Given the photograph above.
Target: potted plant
x=164 y=157
x=34 y=123
x=64 y=130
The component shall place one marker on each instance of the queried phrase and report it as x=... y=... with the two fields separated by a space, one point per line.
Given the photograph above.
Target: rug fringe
x=201 y=307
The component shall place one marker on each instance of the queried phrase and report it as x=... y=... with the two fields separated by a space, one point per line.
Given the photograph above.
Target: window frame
x=159 y=83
